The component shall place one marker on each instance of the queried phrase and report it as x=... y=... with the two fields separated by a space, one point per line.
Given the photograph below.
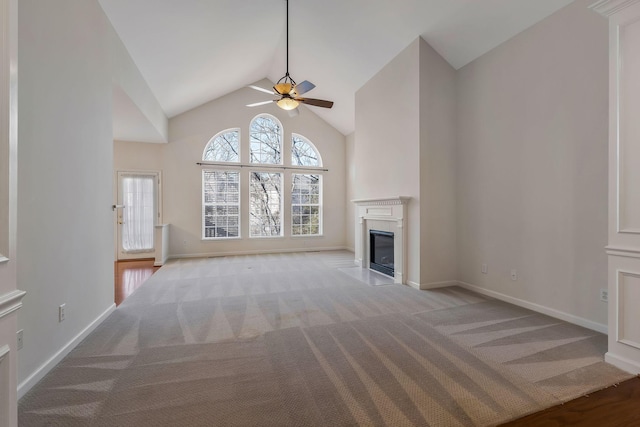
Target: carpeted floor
x=291 y=340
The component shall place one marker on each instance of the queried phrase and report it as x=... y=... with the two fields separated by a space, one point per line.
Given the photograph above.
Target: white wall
x=387 y=142
x=182 y=178
x=532 y=165
x=65 y=229
x=405 y=146
x=350 y=141
x=139 y=113
x=438 y=258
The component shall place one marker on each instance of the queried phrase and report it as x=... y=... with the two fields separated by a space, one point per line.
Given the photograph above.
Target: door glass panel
x=138 y=214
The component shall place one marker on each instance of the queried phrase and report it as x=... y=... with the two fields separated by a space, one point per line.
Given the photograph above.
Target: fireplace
x=386 y=215
x=381 y=252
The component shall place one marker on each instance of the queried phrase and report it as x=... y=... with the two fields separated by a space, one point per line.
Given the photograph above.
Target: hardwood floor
x=129 y=275
x=616 y=406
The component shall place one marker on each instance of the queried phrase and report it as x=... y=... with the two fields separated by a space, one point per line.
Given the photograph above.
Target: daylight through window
x=266 y=176
x=221 y=204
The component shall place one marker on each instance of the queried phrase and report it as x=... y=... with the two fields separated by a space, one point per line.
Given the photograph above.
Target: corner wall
x=532 y=167
x=387 y=142
x=68 y=64
x=350 y=210
x=438 y=257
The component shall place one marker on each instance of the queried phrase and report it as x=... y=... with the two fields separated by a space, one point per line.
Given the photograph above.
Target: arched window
x=265 y=135
x=224 y=147
x=303 y=152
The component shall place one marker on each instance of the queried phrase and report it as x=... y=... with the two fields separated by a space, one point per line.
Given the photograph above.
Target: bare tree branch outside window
x=265 y=141
x=265 y=204
x=224 y=147
x=221 y=204
x=303 y=153
x=306 y=205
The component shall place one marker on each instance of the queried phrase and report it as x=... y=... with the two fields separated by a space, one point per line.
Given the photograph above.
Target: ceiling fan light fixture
x=288 y=104
x=283 y=88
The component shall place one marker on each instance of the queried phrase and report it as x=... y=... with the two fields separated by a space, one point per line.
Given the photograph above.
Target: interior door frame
x=118 y=208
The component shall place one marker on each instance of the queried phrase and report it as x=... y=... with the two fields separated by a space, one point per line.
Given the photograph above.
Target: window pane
x=224 y=147
x=303 y=153
x=306 y=205
x=221 y=208
x=265 y=204
x=265 y=140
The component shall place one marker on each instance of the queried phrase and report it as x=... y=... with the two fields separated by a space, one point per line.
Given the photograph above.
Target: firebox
x=381 y=252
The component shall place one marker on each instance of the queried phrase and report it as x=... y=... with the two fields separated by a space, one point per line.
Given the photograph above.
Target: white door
x=137 y=214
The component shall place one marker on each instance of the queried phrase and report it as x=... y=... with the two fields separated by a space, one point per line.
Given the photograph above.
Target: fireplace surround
x=387 y=215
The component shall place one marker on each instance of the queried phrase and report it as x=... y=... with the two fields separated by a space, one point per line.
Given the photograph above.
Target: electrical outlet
x=485 y=268
x=604 y=295
x=61 y=313
x=20 y=336
x=514 y=275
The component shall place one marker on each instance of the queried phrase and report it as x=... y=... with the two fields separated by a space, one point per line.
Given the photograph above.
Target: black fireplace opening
x=381 y=252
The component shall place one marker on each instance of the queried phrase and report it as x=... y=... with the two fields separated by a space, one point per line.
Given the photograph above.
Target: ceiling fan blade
x=257 y=104
x=270 y=92
x=303 y=87
x=316 y=102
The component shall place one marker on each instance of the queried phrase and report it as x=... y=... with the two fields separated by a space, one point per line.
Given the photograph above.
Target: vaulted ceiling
x=193 y=51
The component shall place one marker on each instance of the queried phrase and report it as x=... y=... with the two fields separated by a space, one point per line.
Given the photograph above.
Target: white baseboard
x=580 y=321
x=620 y=362
x=43 y=370
x=257 y=252
x=432 y=285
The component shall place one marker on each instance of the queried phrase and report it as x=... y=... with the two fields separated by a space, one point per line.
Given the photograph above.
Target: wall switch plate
x=61 y=313
x=514 y=275
x=604 y=295
x=485 y=268
x=20 y=337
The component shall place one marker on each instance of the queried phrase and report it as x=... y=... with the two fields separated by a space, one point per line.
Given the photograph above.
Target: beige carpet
x=291 y=340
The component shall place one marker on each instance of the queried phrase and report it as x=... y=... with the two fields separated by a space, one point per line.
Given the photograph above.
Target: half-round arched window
x=303 y=152
x=224 y=147
x=265 y=136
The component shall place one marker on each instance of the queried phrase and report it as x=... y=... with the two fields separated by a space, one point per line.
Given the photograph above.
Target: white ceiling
x=193 y=51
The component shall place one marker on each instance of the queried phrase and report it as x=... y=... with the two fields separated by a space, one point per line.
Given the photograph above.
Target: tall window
x=265 y=136
x=221 y=204
x=265 y=204
x=267 y=172
x=305 y=205
x=224 y=147
x=306 y=191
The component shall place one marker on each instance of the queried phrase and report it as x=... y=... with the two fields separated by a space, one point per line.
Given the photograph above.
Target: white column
x=624 y=182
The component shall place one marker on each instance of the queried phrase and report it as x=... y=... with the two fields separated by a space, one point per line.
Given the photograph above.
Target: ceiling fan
x=288 y=90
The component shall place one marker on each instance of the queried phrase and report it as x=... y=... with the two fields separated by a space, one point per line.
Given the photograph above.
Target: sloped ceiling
x=193 y=51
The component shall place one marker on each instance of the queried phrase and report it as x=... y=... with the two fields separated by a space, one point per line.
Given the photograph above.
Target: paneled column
x=624 y=182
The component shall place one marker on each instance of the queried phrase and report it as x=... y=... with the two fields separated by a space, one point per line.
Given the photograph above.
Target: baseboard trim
x=432 y=285
x=43 y=370
x=580 y=321
x=257 y=252
x=623 y=363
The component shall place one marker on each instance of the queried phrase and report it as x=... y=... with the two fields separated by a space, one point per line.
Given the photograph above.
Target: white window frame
x=319 y=205
x=282 y=196
x=204 y=152
x=280 y=137
x=204 y=205
x=306 y=140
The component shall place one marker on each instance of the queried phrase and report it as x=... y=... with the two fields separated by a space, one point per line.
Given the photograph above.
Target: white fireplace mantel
x=386 y=214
